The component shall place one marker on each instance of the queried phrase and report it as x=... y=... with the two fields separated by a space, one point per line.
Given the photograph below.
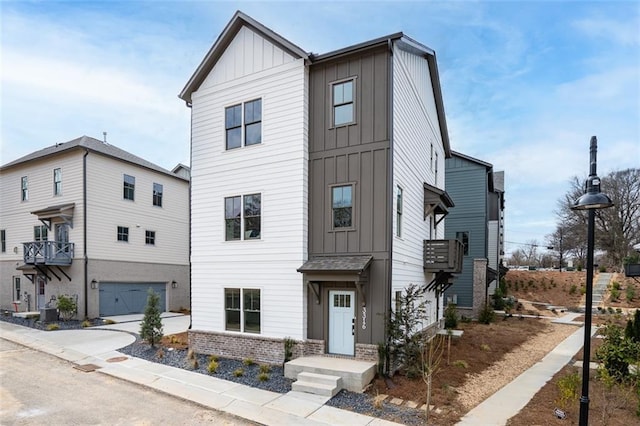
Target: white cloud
x=623 y=31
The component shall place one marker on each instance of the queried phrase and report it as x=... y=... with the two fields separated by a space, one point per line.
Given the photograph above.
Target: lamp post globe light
x=591 y=200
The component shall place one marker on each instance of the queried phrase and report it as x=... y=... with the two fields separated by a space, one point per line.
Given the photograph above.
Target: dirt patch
x=175 y=341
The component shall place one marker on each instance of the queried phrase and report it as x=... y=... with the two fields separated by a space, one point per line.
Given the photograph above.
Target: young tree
x=151 y=326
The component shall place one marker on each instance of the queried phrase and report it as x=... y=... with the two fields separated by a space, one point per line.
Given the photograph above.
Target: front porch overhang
x=63 y=212
x=31 y=270
x=437 y=202
x=336 y=268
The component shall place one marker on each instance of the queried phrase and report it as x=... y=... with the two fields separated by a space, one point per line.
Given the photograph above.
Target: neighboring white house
x=315 y=192
x=86 y=219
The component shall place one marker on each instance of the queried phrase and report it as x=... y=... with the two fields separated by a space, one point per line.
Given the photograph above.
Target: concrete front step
x=319 y=384
x=355 y=374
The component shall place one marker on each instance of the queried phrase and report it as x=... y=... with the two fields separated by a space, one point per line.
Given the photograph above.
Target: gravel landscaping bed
x=356 y=402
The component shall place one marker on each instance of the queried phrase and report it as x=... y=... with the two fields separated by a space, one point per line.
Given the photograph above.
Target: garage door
x=128 y=298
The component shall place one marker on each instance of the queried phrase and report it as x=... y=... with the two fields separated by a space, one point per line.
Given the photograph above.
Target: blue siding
x=467 y=185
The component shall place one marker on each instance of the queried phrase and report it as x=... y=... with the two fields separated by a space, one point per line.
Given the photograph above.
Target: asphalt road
x=39 y=389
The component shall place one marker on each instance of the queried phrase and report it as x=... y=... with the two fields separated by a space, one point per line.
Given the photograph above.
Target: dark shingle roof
x=94 y=145
x=355 y=264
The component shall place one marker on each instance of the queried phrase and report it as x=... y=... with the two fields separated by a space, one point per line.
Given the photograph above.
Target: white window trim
x=224 y=309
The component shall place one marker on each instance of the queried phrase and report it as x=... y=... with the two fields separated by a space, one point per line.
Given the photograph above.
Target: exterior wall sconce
x=94 y=284
x=174 y=284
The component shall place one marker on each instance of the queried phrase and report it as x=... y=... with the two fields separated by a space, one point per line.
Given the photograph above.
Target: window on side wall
x=343 y=107
x=123 y=234
x=157 y=194
x=16 y=288
x=129 y=187
x=3 y=240
x=399 y=213
x=57 y=181
x=242 y=310
x=150 y=237
x=464 y=238
x=24 y=188
x=342 y=206
x=243 y=217
x=40 y=233
x=243 y=124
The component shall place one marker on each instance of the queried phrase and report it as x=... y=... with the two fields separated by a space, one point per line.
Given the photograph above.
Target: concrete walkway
x=599 y=287
x=98 y=346
x=509 y=400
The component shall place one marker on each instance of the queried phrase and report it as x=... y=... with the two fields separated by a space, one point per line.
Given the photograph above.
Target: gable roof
x=93 y=145
x=238 y=20
x=404 y=42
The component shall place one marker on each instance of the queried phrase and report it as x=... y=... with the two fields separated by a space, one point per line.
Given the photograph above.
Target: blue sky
x=525 y=84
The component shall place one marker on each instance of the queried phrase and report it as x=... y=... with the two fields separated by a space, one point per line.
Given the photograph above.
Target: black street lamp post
x=591 y=200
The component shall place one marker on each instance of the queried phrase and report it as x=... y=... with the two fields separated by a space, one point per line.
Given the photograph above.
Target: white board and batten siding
x=107 y=209
x=415 y=129
x=251 y=68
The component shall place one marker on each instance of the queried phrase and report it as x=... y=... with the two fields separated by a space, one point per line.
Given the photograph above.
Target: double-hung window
x=129 y=187
x=342 y=206
x=343 y=102
x=3 y=240
x=150 y=237
x=243 y=124
x=40 y=233
x=242 y=217
x=57 y=181
x=157 y=194
x=242 y=310
x=399 y=213
x=123 y=233
x=24 y=188
x=464 y=238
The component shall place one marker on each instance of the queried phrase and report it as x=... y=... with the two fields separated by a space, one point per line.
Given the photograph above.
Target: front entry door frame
x=41 y=299
x=342 y=319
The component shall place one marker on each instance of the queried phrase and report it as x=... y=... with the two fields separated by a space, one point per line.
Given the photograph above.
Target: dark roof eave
x=380 y=41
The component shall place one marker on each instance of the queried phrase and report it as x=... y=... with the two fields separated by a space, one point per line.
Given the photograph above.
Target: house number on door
x=364 y=317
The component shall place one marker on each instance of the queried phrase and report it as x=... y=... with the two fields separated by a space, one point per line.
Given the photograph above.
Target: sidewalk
x=98 y=346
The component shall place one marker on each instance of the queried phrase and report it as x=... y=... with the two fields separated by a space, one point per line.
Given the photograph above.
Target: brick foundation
x=264 y=349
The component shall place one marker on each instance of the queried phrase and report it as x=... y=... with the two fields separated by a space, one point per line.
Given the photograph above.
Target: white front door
x=40 y=284
x=342 y=322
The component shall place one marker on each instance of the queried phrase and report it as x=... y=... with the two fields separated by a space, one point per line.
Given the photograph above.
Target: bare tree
x=531 y=252
x=617 y=227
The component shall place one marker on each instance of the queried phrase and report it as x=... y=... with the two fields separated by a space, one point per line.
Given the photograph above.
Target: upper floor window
x=431 y=157
x=40 y=233
x=157 y=194
x=150 y=237
x=123 y=233
x=343 y=105
x=436 y=170
x=3 y=240
x=242 y=217
x=24 y=188
x=57 y=181
x=342 y=206
x=252 y=119
x=399 y=213
x=129 y=187
x=464 y=238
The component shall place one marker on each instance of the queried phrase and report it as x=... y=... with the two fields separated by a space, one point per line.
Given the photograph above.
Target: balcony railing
x=48 y=253
x=443 y=255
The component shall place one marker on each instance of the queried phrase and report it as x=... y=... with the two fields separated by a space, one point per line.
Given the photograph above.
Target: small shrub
x=615 y=285
x=263 y=377
x=160 y=353
x=53 y=327
x=191 y=354
x=86 y=323
x=212 y=367
x=487 y=315
x=630 y=293
x=465 y=319
x=615 y=295
x=460 y=363
x=151 y=325
x=289 y=344
x=248 y=362
x=238 y=372
x=67 y=307
x=264 y=368
x=212 y=358
x=583 y=290
x=573 y=289
x=110 y=322
x=485 y=347
x=602 y=269
x=450 y=316
x=568 y=388
x=610 y=309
